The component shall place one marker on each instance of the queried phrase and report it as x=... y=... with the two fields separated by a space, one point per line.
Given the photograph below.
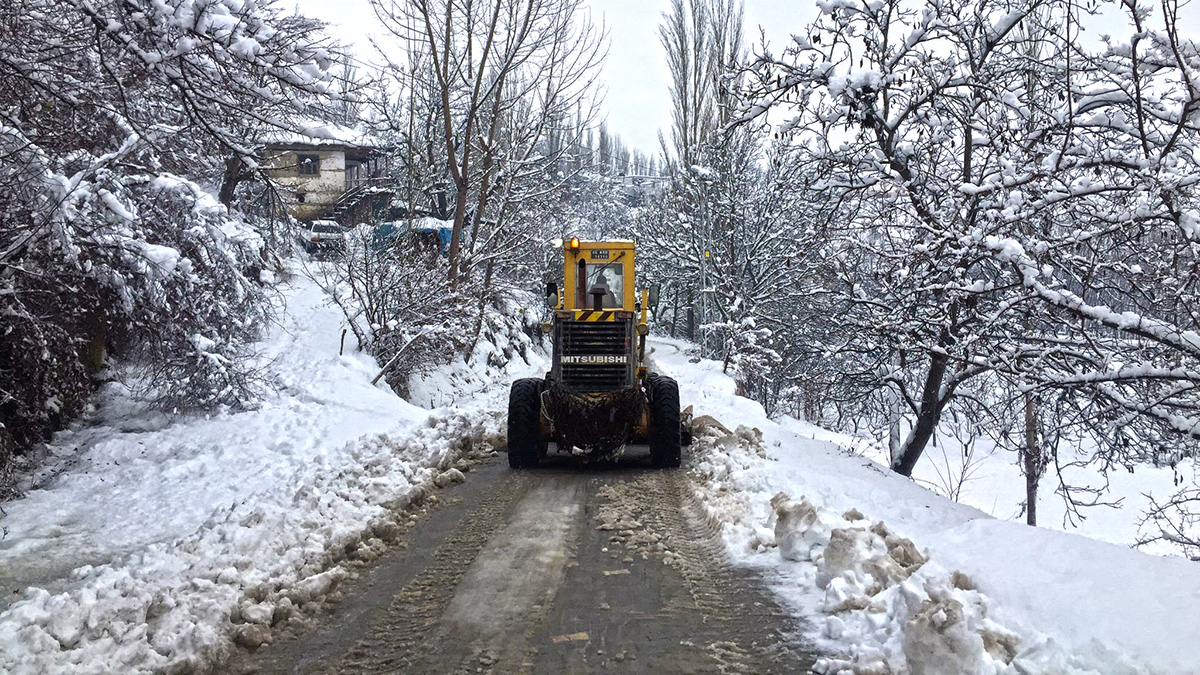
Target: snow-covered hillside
x=146 y=534
x=896 y=578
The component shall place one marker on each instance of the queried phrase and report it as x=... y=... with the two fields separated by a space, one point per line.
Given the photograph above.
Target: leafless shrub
x=397 y=301
x=1174 y=521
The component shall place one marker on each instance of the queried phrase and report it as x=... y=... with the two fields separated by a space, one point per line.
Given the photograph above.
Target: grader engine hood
x=594 y=356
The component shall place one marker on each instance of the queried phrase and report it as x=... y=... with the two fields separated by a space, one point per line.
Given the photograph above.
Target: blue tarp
x=429 y=227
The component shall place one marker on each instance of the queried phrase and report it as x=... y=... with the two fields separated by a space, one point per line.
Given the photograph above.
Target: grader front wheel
x=525 y=446
x=664 y=422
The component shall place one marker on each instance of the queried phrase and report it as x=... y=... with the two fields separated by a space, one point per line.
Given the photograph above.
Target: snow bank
x=896 y=579
x=504 y=352
x=124 y=478
x=182 y=604
x=151 y=542
x=1102 y=599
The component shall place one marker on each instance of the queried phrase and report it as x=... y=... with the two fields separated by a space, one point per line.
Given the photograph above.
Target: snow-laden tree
x=109 y=114
x=715 y=242
x=729 y=241
x=990 y=183
x=488 y=109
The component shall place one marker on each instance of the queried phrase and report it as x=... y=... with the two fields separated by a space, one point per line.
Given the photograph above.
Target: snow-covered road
x=562 y=569
x=153 y=543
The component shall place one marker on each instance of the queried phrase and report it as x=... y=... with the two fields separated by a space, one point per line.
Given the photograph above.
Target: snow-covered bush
x=748 y=355
x=1174 y=520
x=153 y=271
x=207 y=271
x=112 y=115
x=397 y=300
x=402 y=309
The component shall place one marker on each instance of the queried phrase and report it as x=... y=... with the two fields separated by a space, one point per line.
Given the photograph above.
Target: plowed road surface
x=563 y=569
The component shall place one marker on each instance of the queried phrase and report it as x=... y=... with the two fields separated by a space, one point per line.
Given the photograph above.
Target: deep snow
x=994 y=484
x=154 y=542
x=1028 y=600
x=131 y=478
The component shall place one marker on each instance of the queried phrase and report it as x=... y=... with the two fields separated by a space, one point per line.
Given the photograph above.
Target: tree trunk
x=93 y=348
x=1032 y=460
x=675 y=315
x=927 y=417
x=812 y=404
x=233 y=175
x=460 y=216
x=895 y=415
x=442 y=204
x=487 y=283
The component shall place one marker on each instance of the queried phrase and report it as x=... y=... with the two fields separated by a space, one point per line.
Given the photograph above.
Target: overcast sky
x=637 y=103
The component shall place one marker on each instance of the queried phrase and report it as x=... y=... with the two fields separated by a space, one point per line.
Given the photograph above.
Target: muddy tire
x=525 y=446
x=664 y=422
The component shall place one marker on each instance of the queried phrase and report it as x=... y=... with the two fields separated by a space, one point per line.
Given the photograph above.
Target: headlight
x=642 y=329
x=547 y=327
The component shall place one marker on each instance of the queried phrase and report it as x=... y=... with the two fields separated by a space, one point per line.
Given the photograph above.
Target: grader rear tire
x=664 y=422
x=525 y=446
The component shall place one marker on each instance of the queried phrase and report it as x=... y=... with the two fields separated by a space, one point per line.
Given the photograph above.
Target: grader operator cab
x=599 y=395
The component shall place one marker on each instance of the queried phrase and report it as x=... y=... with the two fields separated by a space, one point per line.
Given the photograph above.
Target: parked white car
x=322 y=235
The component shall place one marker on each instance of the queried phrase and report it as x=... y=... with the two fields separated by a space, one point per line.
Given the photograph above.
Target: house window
x=308 y=165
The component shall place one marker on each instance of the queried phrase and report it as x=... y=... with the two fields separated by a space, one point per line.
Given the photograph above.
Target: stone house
x=638 y=190
x=328 y=172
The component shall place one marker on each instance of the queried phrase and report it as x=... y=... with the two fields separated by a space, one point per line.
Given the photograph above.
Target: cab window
x=608 y=277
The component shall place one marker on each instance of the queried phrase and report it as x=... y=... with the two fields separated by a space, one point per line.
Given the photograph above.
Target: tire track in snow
x=743 y=630
x=409 y=634
x=563 y=569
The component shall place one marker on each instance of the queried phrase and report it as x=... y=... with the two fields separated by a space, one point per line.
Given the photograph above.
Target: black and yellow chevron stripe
x=594 y=315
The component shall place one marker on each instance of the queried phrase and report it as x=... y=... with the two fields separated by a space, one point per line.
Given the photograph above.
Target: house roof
x=317 y=133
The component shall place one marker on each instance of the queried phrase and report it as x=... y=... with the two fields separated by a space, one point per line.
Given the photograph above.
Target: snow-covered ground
x=154 y=542
x=898 y=579
x=990 y=479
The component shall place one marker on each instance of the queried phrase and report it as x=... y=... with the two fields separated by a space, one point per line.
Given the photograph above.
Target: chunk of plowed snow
x=888 y=607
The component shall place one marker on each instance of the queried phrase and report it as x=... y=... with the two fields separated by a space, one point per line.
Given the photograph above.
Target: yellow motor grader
x=599 y=395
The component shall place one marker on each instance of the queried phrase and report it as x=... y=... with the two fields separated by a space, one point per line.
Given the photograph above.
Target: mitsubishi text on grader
x=599 y=395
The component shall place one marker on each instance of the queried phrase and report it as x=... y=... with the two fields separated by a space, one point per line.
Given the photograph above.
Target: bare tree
x=505 y=72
